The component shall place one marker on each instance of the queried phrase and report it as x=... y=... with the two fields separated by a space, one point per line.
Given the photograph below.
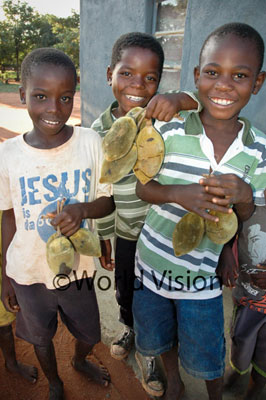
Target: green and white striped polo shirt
x=191 y=276
x=128 y=218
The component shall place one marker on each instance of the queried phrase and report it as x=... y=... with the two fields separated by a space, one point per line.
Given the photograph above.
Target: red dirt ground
x=124 y=384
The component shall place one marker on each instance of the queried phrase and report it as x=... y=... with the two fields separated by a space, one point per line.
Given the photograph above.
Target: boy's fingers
x=165 y=116
x=219 y=191
x=231 y=280
x=223 y=202
x=151 y=110
x=69 y=230
x=205 y=214
x=211 y=207
x=108 y=265
x=11 y=304
x=259 y=279
x=61 y=218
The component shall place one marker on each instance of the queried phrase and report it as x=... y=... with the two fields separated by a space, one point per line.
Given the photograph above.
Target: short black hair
x=137 y=39
x=46 y=55
x=241 y=30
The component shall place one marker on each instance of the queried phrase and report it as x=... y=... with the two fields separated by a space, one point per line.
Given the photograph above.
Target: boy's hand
x=259 y=279
x=164 y=106
x=192 y=197
x=69 y=220
x=195 y=198
x=229 y=189
x=8 y=296
x=227 y=268
x=105 y=260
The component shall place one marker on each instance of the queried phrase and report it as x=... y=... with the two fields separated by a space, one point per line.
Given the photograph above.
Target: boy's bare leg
x=7 y=346
x=256 y=385
x=231 y=377
x=98 y=374
x=175 y=385
x=215 y=388
x=47 y=360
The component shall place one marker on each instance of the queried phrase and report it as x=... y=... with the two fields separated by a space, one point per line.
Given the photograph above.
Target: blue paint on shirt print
x=61 y=190
x=35 y=191
x=31 y=188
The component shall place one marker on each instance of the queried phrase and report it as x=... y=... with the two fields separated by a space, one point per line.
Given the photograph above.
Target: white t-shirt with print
x=32 y=181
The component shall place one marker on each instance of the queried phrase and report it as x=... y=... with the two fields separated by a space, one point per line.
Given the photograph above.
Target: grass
x=10 y=88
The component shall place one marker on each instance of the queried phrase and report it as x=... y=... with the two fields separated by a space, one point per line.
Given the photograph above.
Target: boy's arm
x=259 y=279
x=106 y=230
x=164 y=106
x=228 y=268
x=106 y=260
x=192 y=197
x=244 y=210
x=70 y=218
x=8 y=229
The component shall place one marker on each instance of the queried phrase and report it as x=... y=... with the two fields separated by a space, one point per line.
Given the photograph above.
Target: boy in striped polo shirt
x=180 y=298
x=134 y=74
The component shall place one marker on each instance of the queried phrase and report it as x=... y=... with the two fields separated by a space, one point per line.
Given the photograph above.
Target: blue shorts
x=196 y=325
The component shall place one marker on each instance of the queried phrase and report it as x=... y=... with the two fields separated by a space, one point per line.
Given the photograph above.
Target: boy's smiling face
x=49 y=96
x=227 y=76
x=135 y=78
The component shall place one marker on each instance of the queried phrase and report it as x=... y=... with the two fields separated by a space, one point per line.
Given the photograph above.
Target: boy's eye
x=239 y=75
x=151 y=78
x=211 y=73
x=126 y=73
x=40 y=96
x=65 y=99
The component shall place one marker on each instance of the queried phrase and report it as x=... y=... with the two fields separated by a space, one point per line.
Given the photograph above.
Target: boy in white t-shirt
x=51 y=162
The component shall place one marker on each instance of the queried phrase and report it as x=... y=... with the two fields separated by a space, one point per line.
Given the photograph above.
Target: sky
x=60 y=8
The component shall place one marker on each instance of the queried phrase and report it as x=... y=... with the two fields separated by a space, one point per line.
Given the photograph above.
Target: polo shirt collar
x=107 y=119
x=193 y=126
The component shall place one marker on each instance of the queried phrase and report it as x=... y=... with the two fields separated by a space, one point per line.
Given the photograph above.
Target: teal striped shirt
x=191 y=276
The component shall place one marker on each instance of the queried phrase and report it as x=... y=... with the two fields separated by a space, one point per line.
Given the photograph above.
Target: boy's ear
x=109 y=75
x=259 y=82
x=196 y=75
x=22 y=95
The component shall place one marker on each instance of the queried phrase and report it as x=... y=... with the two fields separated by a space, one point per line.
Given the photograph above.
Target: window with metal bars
x=169 y=27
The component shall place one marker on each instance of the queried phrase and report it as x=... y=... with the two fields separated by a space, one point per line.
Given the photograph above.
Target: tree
x=20 y=19
x=25 y=29
x=45 y=36
x=67 y=34
x=6 y=52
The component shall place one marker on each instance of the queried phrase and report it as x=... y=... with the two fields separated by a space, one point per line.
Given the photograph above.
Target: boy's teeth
x=134 y=98
x=51 y=122
x=222 y=102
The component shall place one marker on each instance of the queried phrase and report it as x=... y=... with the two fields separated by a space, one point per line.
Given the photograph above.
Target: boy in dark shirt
x=248 y=329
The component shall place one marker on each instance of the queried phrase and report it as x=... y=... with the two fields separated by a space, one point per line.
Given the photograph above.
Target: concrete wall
x=206 y=15
x=102 y=22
